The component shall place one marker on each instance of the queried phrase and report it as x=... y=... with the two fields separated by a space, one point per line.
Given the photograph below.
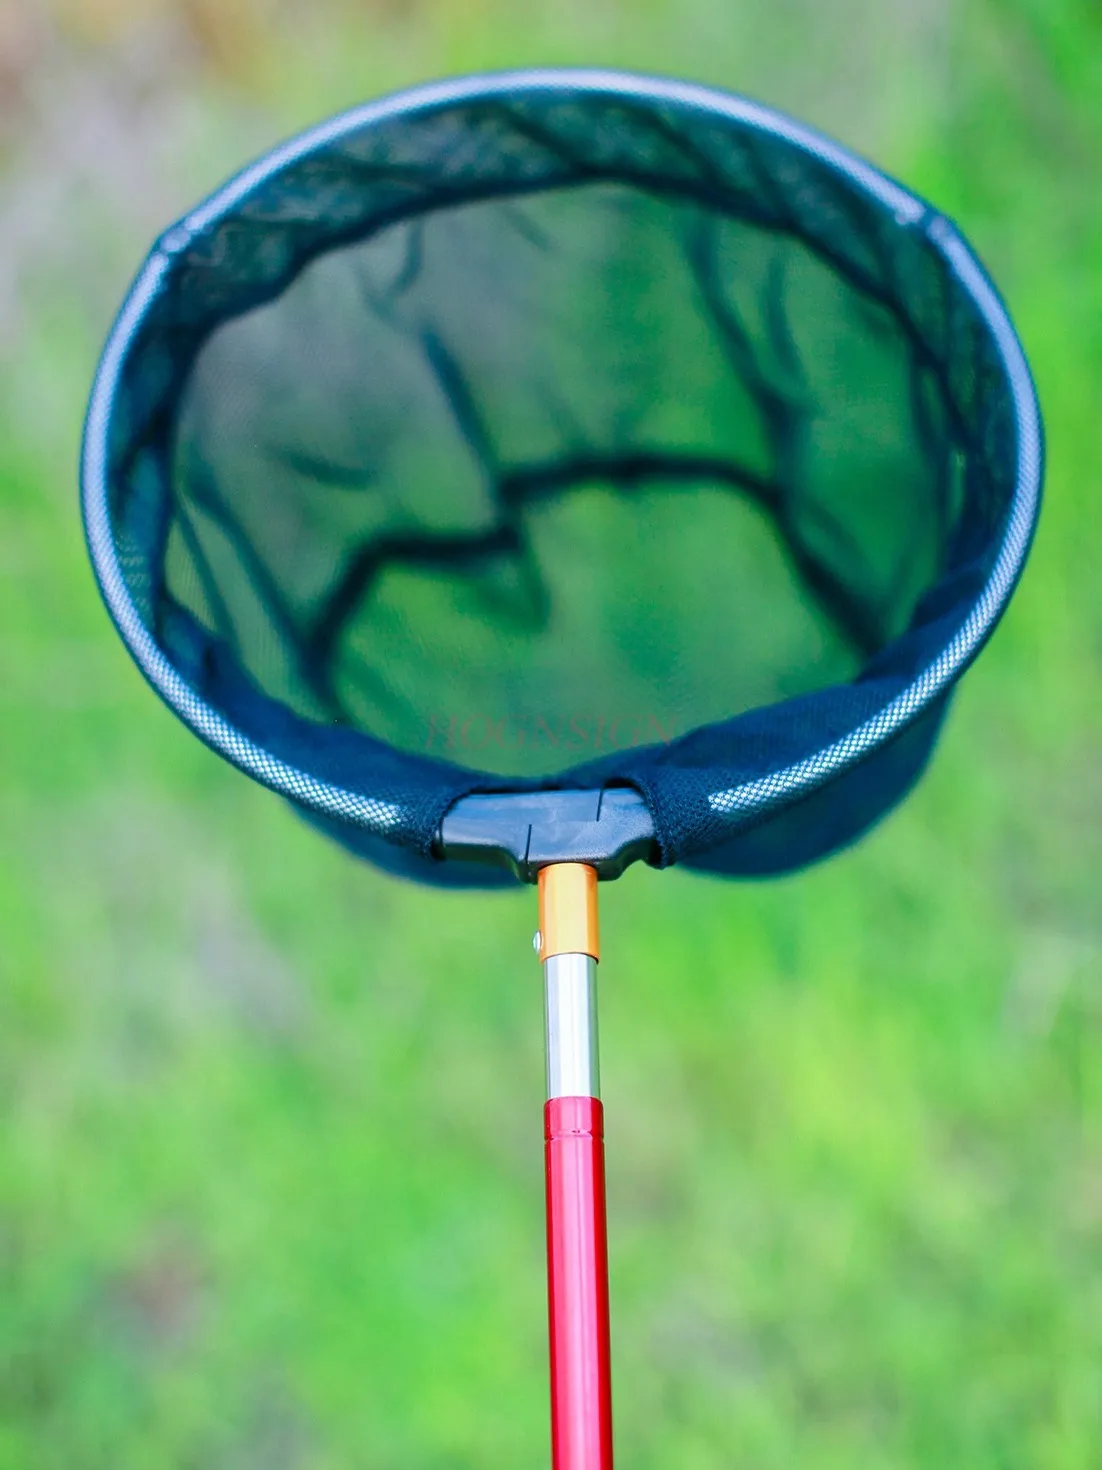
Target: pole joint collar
x=568 y=910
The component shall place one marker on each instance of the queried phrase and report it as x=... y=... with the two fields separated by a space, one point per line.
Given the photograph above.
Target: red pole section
x=577 y=1285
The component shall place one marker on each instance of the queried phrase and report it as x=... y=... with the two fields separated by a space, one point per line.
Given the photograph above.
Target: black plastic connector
x=526 y=830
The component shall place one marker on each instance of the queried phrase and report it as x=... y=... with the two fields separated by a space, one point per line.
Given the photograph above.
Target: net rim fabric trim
x=736 y=803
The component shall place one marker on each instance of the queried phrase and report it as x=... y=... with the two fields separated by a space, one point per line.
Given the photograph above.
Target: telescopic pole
x=577 y=1239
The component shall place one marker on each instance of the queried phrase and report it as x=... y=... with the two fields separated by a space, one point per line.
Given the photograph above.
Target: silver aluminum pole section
x=570 y=1013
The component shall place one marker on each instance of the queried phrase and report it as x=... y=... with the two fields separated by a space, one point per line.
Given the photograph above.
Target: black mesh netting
x=565 y=431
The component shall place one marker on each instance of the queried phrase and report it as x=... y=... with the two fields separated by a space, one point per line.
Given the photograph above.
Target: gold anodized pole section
x=568 y=910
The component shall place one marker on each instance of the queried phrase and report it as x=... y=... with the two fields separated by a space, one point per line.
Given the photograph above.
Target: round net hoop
x=559 y=305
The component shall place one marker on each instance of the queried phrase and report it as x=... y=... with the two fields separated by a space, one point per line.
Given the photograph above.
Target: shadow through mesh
x=565 y=430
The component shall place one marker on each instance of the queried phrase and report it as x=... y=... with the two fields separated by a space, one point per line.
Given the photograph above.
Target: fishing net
x=564 y=432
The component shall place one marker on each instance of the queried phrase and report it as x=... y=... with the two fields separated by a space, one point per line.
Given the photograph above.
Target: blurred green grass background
x=270 y=1159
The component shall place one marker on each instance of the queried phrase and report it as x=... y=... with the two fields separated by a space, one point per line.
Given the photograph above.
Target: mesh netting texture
x=564 y=430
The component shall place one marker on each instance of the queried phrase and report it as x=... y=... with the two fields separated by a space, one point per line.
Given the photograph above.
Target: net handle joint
x=527 y=831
